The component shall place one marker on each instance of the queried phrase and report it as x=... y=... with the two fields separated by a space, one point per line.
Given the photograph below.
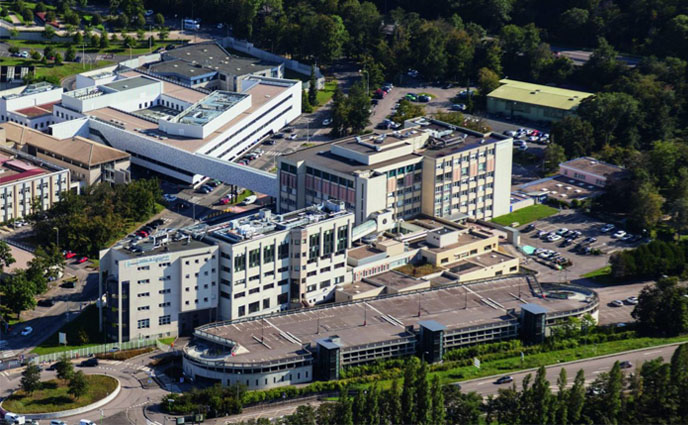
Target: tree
x=58 y=59
x=18 y=293
x=70 y=54
x=344 y=408
x=488 y=80
x=554 y=155
x=78 y=38
x=104 y=42
x=304 y=415
x=340 y=114
x=313 y=88
x=422 y=396
x=305 y=104
x=679 y=381
x=461 y=408
x=543 y=396
x=31 y=379
x=49 y=52
x=140 y=35
x=78 y=385
x=437 y=414
x=408 y=392
x=560 y=413
x=647 y=207
x=129 y=41
x=49 y=32
x=575 y=135
x=35 y=55
x=576 y=398
x=65 y=369
x=163 y=33
x=140 y=21
x=359 y=408
x=662 y=308
x=393 y=405
x=40 y=7
x=159 y=19
x=358 y=108
x=97 y=19
x=6 y=258
x=27 y=15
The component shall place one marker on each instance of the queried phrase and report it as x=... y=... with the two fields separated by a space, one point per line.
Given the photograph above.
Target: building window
x=253 y=291
x=143 y=294
x=283 y=298
x=254 y=307
x=268 y=254
x=143 y=323
x=266 y=303
x=242 y=310
x=283 y=250
x=145 y=307
x=328 y=242
x=164 y=320
x=240 y=263
x=239 y=295
x=254 y=257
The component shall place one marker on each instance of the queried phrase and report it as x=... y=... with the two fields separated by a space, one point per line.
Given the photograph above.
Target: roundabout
x=53 y=400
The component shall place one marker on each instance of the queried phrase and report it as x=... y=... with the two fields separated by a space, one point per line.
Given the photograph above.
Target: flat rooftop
x=260 y=95
x=15 y=167
x=264 y=222
x=130 y=83
x=149 y=248
x=536 y=94
x=395 y=280
x=28 y=90
x=561 y=188
x=210 y=108
x=38 y=110
x=171 y=89
x=479 y=262
x=594 y=166
x=203 y=58
x=364 y=251
x=449 y=306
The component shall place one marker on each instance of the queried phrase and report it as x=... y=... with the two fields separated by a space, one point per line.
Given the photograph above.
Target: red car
x=82 y=260
x=224 y=201
x=142 y=233
x=69 y=254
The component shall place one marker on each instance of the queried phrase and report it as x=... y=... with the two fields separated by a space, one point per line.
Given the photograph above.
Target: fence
x=248 y=48
x=95 y=349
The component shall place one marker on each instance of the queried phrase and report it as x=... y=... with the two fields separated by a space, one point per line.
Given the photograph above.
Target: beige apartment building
x=88 y=161
x=429 y=166
x=163 y=288
x=27 y=182
x=168 y=284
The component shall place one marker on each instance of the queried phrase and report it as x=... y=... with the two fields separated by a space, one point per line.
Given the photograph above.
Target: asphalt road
x=591 y=367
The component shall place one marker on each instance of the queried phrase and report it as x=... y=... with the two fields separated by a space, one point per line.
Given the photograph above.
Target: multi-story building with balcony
x=429 y=166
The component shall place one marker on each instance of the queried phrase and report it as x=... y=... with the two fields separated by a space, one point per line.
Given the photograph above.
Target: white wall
x=502 y=178
x=69 y=129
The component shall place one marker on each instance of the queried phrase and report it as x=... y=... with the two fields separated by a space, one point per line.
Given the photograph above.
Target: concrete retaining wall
x=71 y=412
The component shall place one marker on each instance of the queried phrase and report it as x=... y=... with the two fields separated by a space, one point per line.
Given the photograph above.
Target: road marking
x=651 y=353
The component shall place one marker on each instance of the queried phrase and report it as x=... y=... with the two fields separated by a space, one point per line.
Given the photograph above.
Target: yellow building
x=534 y=102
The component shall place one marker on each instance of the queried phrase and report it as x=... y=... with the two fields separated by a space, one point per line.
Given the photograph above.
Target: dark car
x=53 y=366
x=92 y=362
x=529 y=228
x=270 y=142
x=504 y=380
x=625 y=364
x=423 y=98
x=48 y=302
x=278 y=136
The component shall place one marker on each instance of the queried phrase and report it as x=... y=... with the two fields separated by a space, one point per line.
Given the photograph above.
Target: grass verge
x=514 y=364
x=602 y=275
x=526 y=215
x=82 y=329
x=418 y=270
x=53 y=396
x=324 y=95
x=167 y=341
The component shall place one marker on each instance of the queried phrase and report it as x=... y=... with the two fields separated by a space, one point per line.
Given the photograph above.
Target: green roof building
x=535 y=102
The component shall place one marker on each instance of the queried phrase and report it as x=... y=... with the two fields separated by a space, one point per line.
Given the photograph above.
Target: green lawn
x=418 y=270
x=326 y=94
x=167 y=341
x=602 y=275
x=86 y=321
x=243 y=195
x=65 y=70
x=526 y=215
x=53 y=396
x=514 y=364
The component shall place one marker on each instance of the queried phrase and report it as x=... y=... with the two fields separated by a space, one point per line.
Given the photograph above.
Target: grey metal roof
x=534 y=308
x=432 y=325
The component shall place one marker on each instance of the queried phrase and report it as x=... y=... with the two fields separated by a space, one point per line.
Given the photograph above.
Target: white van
x=86 y=422
x=13 y=418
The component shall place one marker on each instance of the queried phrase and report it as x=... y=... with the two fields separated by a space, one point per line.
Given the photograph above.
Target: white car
x=27 y=331
x=562 y=231
x=292 y=136
x=220 y=26
x=617 y=303
x=607 y=228
x=554 y=237
x=327 y=121
x=169 y=197
x=149 y=13
x=632 y=300
x=24 y=54
x=620 y=234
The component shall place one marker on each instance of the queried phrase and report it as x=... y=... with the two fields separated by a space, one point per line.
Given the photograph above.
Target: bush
x=125 y=354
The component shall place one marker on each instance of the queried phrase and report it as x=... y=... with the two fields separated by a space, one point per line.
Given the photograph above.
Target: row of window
x=145 y=323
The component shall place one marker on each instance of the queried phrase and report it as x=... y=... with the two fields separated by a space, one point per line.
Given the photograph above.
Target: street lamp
x=367 y=79
x=57 y=229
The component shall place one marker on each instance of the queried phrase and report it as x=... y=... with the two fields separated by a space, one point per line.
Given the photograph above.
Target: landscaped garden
x=54 y=395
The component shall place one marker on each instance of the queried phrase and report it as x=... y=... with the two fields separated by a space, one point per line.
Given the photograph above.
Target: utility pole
x=365 y=314
x=418 y=304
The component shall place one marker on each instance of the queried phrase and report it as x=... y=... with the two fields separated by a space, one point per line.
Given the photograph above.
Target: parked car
x=625 y=364
x=92 y=362
x=293 y=136
x=529 y=228
x=69 y=254
x=47 y=302
x=27 y=331
x=379 y=94
x=553 y=237
x=607 y=228
x=620 y=234
x=82 y=260
x=326 y=122
x=542 y=234
x=169 y=197
x=424 y=98
x=627 y=237
x=616 y=303
x=458 y=107
x=149 y=13
x=411 y=96
x=278 y=136
x=562 y=231
x=631 y=300
x=269 y=142
x=504 y=380
x=589 y=240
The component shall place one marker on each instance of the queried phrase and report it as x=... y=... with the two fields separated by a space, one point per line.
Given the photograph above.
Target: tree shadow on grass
x=56 y=400
x=48 y=385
